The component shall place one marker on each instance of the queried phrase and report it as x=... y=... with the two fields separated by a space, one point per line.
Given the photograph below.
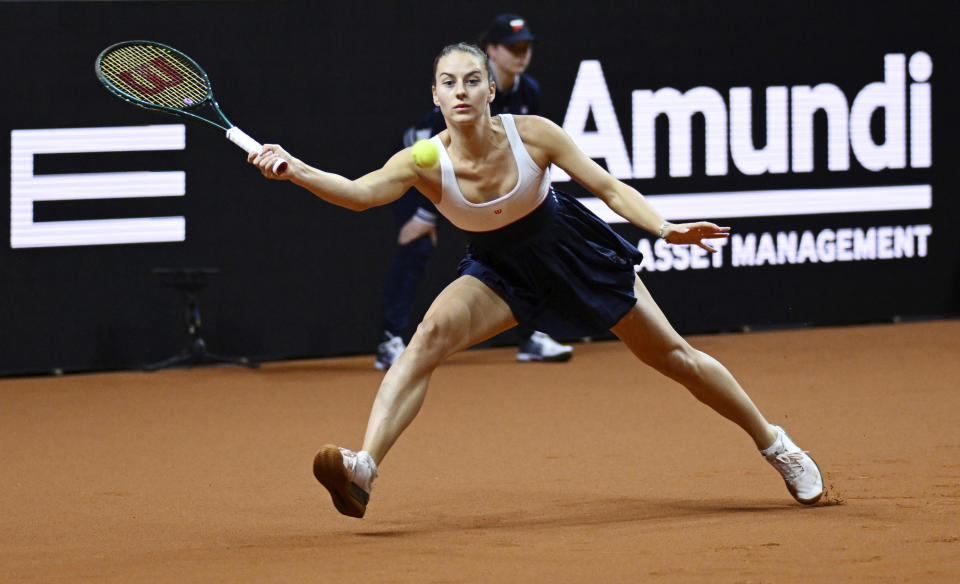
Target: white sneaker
x=388 y=351
x=542 y=347
x=798 y=469
x=348 y=476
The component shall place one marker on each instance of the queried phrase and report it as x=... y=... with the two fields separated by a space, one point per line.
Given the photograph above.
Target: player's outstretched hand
x=267 y=158
x=695 y=233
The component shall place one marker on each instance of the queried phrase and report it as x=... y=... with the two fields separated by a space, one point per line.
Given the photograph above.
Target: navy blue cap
x=507 y=29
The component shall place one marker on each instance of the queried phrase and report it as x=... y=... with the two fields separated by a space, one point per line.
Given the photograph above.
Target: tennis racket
x=158 y=77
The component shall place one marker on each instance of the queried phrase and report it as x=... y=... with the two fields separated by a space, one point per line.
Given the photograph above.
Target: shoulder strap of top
x=448 y=178
x=510 y=127
x=520 y=153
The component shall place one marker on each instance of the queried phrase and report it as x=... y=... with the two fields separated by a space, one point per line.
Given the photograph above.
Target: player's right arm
x=379 y=187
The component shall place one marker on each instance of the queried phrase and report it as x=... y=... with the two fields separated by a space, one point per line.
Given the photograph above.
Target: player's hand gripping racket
x=158 y=77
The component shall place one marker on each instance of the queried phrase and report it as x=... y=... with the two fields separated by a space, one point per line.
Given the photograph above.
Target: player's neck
x=475 y=139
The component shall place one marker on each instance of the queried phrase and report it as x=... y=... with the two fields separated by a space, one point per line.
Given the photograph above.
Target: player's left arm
x=558 y=148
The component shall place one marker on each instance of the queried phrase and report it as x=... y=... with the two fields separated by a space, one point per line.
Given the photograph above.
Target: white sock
x=366 y=470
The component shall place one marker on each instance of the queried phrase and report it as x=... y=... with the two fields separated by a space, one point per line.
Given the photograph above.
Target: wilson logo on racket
x=159 y=77
x=148 y=73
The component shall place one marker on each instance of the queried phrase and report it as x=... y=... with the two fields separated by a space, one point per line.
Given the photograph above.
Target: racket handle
x=243 y=140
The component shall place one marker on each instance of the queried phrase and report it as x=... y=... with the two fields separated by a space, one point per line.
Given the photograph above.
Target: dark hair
x=463 y=48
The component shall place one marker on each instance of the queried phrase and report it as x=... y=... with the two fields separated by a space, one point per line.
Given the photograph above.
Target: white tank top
x=533 y=185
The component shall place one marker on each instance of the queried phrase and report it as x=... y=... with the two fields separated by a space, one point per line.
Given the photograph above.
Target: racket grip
x=243 y=140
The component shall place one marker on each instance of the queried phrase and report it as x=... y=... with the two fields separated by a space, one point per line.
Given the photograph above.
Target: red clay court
x=599 y=470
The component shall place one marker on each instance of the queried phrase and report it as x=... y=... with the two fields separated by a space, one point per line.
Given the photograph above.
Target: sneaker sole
x=793 y=491
x=348 y=498
x=531 y=357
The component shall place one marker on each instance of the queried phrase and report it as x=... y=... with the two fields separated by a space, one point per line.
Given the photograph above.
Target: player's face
x=461 y=87
x=511 y=59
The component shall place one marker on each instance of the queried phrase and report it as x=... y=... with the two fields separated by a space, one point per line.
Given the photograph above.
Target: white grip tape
x=243 y=140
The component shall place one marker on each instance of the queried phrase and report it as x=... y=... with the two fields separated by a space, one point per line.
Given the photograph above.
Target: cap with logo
x=507 y=29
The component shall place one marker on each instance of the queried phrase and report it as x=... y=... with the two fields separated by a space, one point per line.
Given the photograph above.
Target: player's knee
x=682 y=362
x=430 y=339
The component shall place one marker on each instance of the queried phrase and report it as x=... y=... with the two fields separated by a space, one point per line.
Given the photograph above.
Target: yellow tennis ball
x=425 y=153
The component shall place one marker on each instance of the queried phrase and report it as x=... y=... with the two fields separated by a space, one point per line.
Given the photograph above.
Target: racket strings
x=154 y=75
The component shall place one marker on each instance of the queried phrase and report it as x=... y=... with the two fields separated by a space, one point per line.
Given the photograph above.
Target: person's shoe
x=799 y=470
x=348 y=476
x=388 y=350
x=542 y=347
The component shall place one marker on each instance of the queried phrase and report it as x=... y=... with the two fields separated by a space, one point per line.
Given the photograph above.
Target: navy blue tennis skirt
x=561 y=269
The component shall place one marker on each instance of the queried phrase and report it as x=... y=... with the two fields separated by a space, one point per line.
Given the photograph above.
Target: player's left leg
x=649 y=335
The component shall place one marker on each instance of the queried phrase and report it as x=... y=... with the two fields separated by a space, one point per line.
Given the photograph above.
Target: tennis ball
x=425 y=153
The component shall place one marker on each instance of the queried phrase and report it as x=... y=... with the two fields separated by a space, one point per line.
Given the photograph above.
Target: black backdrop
x=337 y=83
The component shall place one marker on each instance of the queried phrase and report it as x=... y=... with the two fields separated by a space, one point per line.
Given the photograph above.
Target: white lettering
x=808 y=249
x=787 y=247
x=766 y=250
x=889 y=95
x=773 y=156
x=885 y=243
x=806 y=102
x=826 y=249
x=661 y=256
x=848 y=125
x=679 y=109
x=846 y=244
x=922 y=232
x=865 y=244
x=698 y=258
x=26 y=188
x=743 y=249
x=590 y=94
x=921 y=67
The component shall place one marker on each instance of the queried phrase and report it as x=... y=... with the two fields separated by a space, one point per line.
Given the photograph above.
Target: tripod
x=190 y=281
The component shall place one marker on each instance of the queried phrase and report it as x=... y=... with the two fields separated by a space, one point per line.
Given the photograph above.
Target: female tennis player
x=535 y=256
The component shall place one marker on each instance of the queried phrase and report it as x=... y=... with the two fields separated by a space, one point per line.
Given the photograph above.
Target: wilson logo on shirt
x=498 y=211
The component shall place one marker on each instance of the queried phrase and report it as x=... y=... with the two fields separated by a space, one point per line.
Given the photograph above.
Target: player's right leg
x=466 y=312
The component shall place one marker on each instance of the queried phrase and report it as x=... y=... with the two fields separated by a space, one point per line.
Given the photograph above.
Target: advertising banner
x=821 y=134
